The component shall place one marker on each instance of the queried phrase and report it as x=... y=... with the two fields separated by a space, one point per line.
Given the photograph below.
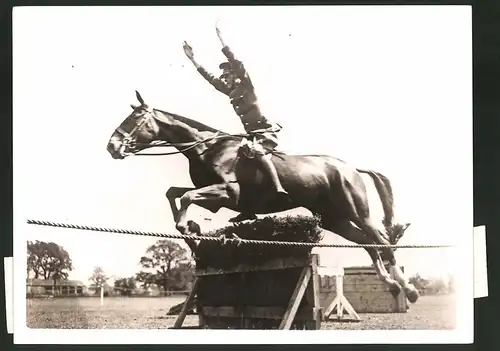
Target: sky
x=387 y=88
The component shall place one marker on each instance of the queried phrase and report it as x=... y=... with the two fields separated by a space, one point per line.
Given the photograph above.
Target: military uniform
x=244 y=102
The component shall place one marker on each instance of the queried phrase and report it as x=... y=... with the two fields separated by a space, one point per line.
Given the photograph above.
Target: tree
x=451 y=284
x=125 y=286
x=163 y=257
x=183 y=275
x=48 y=261
x=98 y=278
x=34 y=258
x=146 y=278
x=437 y=285
x=419 y=282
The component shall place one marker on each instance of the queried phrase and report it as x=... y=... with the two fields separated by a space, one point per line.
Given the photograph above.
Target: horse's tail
x=384 y=189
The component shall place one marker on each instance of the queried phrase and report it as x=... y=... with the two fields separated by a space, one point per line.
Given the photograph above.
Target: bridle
x=128 y=138
x=129 y=144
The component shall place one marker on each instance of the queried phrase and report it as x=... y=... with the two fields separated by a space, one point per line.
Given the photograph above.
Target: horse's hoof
x=412 y=294
x=395 y=289
x=193 y=227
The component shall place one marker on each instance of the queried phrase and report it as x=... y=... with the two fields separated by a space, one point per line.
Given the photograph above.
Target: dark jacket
x=242 y=94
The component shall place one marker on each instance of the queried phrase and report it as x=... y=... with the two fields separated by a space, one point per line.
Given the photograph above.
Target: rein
x=189 y=146
x=129 y=143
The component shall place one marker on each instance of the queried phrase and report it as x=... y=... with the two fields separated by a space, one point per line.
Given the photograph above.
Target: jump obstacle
x=359 y=290
x=257 y=290
x=257 y=296
x=342 y=295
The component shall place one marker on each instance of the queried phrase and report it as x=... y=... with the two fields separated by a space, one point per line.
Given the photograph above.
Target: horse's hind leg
x=388 y=253
x=348 y=231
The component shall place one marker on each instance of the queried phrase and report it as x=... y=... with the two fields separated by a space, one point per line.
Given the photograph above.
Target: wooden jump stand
x=305 y=295
x=340 y=303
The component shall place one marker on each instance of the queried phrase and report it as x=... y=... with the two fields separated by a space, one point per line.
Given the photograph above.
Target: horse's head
x=135 y=133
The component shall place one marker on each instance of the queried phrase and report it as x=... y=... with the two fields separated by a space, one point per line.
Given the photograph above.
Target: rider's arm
x=237 y=65
x=216 y=82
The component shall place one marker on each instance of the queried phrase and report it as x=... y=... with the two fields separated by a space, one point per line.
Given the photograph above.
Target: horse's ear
x=405 y=226
x=133 y=107
x=139 y=97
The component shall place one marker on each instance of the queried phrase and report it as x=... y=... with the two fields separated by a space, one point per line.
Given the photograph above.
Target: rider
x=237 y=85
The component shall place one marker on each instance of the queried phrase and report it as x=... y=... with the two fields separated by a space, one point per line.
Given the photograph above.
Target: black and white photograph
x=262 y=174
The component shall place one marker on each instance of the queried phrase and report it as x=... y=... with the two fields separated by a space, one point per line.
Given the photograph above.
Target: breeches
x=261 y=143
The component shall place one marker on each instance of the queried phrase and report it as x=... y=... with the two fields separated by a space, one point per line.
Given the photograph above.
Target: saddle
x=250 y=143
x=247 y=149
x=256 y=140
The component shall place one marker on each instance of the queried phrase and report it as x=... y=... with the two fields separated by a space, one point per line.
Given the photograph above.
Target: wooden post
x=296 y=299
x=187 y=303
x=314 y=290
x=339 y=283
x=102 y=295
x=340 y=302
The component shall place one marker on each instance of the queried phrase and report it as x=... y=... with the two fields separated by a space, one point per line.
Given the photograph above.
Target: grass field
x=429 y=313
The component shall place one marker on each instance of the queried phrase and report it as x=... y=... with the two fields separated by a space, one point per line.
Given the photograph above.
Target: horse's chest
x=201 y=176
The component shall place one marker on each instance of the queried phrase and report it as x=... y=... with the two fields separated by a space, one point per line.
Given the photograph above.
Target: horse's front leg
x=213 y=197
x=174 y=193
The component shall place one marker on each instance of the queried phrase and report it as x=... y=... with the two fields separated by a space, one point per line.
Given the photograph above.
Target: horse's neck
x=173 y=130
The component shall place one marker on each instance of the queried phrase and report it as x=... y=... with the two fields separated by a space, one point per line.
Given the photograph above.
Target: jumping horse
x=224 y=176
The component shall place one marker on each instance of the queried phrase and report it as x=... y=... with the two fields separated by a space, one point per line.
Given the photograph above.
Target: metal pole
x=102 y=295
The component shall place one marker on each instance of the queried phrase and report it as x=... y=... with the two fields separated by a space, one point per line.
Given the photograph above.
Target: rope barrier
x=235 y=239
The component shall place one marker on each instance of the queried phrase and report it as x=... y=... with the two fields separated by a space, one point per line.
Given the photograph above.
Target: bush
x=290 y=229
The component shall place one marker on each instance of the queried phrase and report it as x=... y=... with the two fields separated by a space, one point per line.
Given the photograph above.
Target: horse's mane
x=192 y=123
